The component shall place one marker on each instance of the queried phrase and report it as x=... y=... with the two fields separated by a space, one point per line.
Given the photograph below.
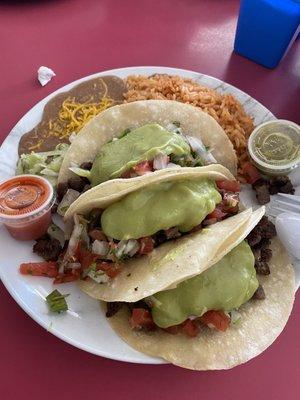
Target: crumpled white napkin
x=45 y=75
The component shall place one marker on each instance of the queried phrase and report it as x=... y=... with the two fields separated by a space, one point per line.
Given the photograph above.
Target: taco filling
x=103 y=240
x=211 y=298
x=137 y=152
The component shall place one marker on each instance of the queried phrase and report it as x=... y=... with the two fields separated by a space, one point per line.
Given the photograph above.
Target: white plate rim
x=122 y=72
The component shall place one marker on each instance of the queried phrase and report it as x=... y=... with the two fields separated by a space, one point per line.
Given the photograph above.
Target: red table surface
x=78 y=38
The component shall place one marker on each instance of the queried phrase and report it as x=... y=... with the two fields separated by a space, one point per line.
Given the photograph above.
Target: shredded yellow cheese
x=36 y=146
x=73 y=116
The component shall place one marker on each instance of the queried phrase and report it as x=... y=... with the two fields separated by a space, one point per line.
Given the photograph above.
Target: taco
x=134 y=139
x=128 y=233
x=222 y=317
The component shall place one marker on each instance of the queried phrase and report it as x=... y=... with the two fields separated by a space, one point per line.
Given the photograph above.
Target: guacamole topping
x=226 y=286
x=183 y=204
x=140 y=144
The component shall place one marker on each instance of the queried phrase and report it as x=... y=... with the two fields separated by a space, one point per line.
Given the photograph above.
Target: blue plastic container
x=266 y=29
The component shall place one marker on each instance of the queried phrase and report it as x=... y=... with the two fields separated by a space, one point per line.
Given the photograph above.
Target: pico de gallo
x=95 y=251
x=190 y=307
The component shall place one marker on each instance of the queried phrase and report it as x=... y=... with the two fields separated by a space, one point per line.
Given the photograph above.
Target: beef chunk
x=256 y=253
x=138 y=304
x=172 y=233
x=48 y=248
x=259 y=293
x=61 y=190
x=264 y=244
x=265 y=254
x=266 y=187
x=254 y=237
x=77 y=183
x=54 y=208
x=262 y=268
x=261 y=188
x=86 y=187
x=160 y=238
x=112 y=308
x=94 y=218
x=267 y=228
x=281 y=184
x=259 y=240
x=86 y=165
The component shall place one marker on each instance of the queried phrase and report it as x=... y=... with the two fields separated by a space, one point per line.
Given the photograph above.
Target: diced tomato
x=88 y=259
x=210 y=221
x=196 y=228
x=146 y=245
x=217 y=319
x=190 y=328
x=44 y=268
x=104 y=266
x=70 y=276
x=230 y=186
x=173 y=329
x=81 y=247
x=130 y=173
x=111 y=270
x=84 y=256
x=141 y=318
x=217 y=213
x=251 y=173
x=97 y=234
x=143 y=167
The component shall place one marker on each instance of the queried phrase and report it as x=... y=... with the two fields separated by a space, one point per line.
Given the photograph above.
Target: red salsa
x=25 y=206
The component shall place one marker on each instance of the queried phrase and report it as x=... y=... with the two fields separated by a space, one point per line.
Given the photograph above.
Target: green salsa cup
x=274 y=146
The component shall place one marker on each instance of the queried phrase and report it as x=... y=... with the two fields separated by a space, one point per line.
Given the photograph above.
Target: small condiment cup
x=25 y=206
x=274 y=146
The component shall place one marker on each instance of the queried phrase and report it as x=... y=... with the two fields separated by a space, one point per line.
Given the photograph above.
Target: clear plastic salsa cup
x=25 y=206
x=275 y=146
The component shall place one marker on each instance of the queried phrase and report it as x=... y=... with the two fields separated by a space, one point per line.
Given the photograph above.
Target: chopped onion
x=172 y=165
x=100 y=247
x=127 y=247
x=98 y=276
x=132 y=247
x=235 y=316
x=160 y=161
x=171 y=127
x=192 y=317
x=73 y=265
x=120 y=248
x=75 y=236
x=198 y=147
x=69 y=198
x=73 y=243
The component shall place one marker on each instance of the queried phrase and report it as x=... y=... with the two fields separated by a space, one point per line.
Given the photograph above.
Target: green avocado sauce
x=225 y=286
x=183 y=204
x=277 y=148
x=141 y=144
